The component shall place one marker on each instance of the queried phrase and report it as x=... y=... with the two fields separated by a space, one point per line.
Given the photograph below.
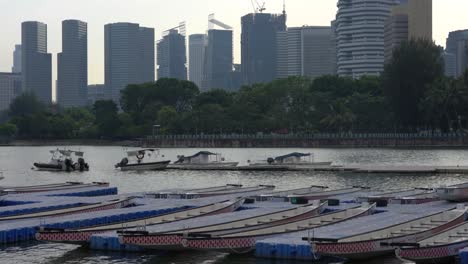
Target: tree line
x=411 y=95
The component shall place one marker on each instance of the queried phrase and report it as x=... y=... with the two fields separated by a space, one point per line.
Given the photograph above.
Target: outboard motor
x=81 y=164
x=68 y=165
x=122 y=163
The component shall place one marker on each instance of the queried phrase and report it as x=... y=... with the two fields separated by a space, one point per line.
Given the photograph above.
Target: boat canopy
x=68 y=153
x=135 y=153
x=201 y=153
x=294 y=154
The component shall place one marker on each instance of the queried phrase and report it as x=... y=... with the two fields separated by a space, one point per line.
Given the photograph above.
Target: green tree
x=8 y=130
x=107 y=120
x=414 y=66
x=167 y=118
x=25 y=104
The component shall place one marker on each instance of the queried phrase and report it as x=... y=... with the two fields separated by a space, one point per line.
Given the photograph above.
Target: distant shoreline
x=252 y=143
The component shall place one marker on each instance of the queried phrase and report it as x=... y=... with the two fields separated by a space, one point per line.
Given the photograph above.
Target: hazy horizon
x=448 y=15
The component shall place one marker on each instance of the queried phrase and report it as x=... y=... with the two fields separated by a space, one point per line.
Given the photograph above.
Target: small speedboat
x=203 y=160
x=293 y=159
x=142 y=159
x=64 y=160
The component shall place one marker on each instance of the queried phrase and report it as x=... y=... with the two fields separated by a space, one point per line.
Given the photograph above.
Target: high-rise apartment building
x=258 y=46
x=129 y=57
x=218 y=61
x=16 y=60
x=172 y=58
x=72 y=65
x=411 y=19
x=360 y=36
x=10 y=88
x=197 y=45
x=36 y=62
x=305 y=51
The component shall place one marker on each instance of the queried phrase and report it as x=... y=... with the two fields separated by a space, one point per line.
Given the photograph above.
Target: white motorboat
x=142 y=159
x=203 y=160
x=292 y=159
x=454 y=193
x=64 y=160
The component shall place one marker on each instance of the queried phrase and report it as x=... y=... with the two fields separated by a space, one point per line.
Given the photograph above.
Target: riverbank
x=269 y=141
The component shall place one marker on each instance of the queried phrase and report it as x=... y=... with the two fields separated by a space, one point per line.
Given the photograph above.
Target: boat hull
x=238 y=245
x=373 y=248
x=73 y=210
x=162 y=165
x=453 y=194
x=245 y=244
x=53 y=167
x=83 y=237
x=211 y=166
x=435 y=254
x=174 y=241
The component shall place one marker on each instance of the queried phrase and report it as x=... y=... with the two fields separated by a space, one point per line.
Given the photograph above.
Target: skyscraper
x=305 y=51
x=10 y=88
x=36 y=62
x=129 y=57
x=172 y=58
x=360 y=36
x=258 y=46
x=289 y=52
x=197 y=44
x=218 y=60
x=318 y=53
x=456 y=58
x=72 y=64
x=411 y=19
x=16 y=60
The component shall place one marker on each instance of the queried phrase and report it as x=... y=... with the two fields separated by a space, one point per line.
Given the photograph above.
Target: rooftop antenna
x=284 y=7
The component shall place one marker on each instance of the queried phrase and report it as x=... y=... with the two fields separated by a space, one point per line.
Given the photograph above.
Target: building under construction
x=172 y=58
x=218 y=64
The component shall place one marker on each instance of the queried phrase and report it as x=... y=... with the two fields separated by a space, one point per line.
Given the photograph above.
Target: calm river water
x=16 y=163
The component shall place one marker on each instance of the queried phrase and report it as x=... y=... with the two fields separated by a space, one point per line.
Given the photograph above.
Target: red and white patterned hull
x=83 y=237
x=69 y=237
x=174 y=241
x=374 y=248
x=435 y=254
x=237 y=245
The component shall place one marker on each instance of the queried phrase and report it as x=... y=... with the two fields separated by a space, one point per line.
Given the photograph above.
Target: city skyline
x=446 y=18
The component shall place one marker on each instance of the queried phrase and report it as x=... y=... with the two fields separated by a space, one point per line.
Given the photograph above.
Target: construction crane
x=257 y=7
x=212 y=21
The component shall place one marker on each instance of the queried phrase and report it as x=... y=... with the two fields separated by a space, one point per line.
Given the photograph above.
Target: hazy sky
x=449 y=15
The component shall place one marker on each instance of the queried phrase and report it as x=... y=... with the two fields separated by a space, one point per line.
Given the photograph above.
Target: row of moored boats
x=435 y=237
x=151 y=159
